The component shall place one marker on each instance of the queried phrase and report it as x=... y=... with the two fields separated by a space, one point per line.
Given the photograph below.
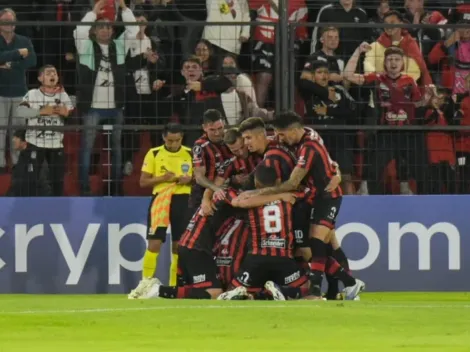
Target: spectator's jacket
x=440 y=145
x=454 y=64
x=314 y=95
x=415 y=65
x=297 y=12
x=462 y=117
x=190 y=105
x=25 y=174
x=227 y=37
x=428 y=36
x=89 y=58
x=350 y=37
x=13 y=80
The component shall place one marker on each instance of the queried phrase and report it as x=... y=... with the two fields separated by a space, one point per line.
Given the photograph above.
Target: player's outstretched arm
x=260 y=200
x=202 y=180
x=291 y=184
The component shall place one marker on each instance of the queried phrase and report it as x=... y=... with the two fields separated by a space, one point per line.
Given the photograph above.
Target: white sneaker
x=275 y=291
x=236 y=292
x=151 y=290
x=351 y=292
x=137 y=292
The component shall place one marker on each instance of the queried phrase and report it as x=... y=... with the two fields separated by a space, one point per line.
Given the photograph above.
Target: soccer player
x=168 y=170
x=47 y=105
x=209 y=154
x=316 y=169
x=271 y=255
x=398 y=96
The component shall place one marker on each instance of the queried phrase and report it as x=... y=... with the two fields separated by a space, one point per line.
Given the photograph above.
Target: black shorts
x=178 y=219
x=340 y=146
x=197 y=269
x=325 y=211
x=257 y=269
x=301 y=223
x=263 y=57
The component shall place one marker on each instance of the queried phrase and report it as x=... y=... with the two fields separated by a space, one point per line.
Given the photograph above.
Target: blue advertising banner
x=95 y=245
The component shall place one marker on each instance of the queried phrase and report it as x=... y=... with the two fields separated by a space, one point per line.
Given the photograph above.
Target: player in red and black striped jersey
x=209 y=154
x=270 y=255
x=316 y=169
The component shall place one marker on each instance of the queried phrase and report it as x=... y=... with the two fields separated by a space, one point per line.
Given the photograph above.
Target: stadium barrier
x=95 y=245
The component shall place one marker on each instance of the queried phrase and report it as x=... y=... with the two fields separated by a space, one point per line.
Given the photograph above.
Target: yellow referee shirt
x=159 y=160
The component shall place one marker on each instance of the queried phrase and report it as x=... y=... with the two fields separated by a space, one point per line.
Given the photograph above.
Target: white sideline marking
x=276 y=306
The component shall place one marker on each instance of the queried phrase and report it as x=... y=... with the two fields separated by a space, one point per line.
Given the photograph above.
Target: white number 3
x=272 y=219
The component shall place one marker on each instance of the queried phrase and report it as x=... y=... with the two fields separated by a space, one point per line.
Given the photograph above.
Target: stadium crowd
x=158 y=71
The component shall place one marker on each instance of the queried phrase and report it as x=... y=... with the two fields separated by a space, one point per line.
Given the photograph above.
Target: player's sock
x=333 y=287
x=198 y=293
x=173 y=269
x=294 y=292
x=150 y=264
x=173 y=292
x=341 y=258
x=334 y=269
x=319 y=257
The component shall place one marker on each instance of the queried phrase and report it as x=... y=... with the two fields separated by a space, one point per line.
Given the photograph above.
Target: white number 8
x=272 y=219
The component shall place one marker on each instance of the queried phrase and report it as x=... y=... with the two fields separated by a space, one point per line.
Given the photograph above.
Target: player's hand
x=288 y=197
x=364 y=47
x=320 y=109
x=48 y=110
x=219 y=195
x=24 y=52
x=194 y=86
x=169 y=176
x=184 y=180
x=207 y=207
x=158 y=84
x=333 y=184
x=61 y=110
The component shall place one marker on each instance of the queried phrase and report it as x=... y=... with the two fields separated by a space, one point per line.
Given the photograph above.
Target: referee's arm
x=147 y=176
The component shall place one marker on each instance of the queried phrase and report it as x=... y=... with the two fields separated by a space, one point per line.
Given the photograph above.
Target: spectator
x=199 y=95
x=190 y=12
x=146 y=76
x=440 y=147
x=334 y=110
x=342 y=11
x=264 y=42
x=229 y=38
x=330 y=42
x=19 y=52
x=100 y=91
x=414 y=64
x=378 y=19
x=47 y=106
x=453 y=56
x=205 y=54
x=25 y=175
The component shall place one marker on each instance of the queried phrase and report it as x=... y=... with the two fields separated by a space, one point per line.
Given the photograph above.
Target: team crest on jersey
x=185 y=168
x=197 y=149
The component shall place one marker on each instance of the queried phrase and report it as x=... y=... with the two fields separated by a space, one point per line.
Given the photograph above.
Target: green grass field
x=379 y=322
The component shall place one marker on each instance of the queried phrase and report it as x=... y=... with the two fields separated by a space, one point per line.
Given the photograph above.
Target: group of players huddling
x=255 y=200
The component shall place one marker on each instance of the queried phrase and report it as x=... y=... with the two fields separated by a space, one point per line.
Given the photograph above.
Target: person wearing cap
x=25 y=174
x=326 y=104
x=101 y=84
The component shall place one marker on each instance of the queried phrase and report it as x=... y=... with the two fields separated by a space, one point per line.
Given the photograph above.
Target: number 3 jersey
x=36 y=99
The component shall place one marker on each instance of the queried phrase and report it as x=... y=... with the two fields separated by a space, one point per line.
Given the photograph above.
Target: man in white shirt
x=101 y=86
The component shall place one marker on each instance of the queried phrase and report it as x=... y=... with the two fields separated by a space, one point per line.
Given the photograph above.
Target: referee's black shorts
x=178 y=218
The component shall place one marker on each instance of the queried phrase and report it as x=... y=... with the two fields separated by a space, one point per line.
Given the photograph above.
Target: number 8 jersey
x=271 y=230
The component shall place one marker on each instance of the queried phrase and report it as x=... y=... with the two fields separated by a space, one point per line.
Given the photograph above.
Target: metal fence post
x=284 y=57
x=291 y=71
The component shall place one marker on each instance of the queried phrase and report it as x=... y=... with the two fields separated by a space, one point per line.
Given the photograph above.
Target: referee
x=168 y=169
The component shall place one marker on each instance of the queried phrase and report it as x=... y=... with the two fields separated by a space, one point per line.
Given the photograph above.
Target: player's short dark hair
x=191 y=58
x=44 y=68
x=329 y=29
x=232 y=135
x=393 y=13
x=172 y=128
x=252 y=123
x=287 y=119
x=211 y=116
x=266 y=175
x=393 y=50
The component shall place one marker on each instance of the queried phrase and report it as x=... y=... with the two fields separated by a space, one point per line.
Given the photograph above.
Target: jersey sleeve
x=67 y=102
x=148 y=165
x=370 y=78
x=26 y=99
x=226 y=171
x=306 y=157
x=198 y=156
